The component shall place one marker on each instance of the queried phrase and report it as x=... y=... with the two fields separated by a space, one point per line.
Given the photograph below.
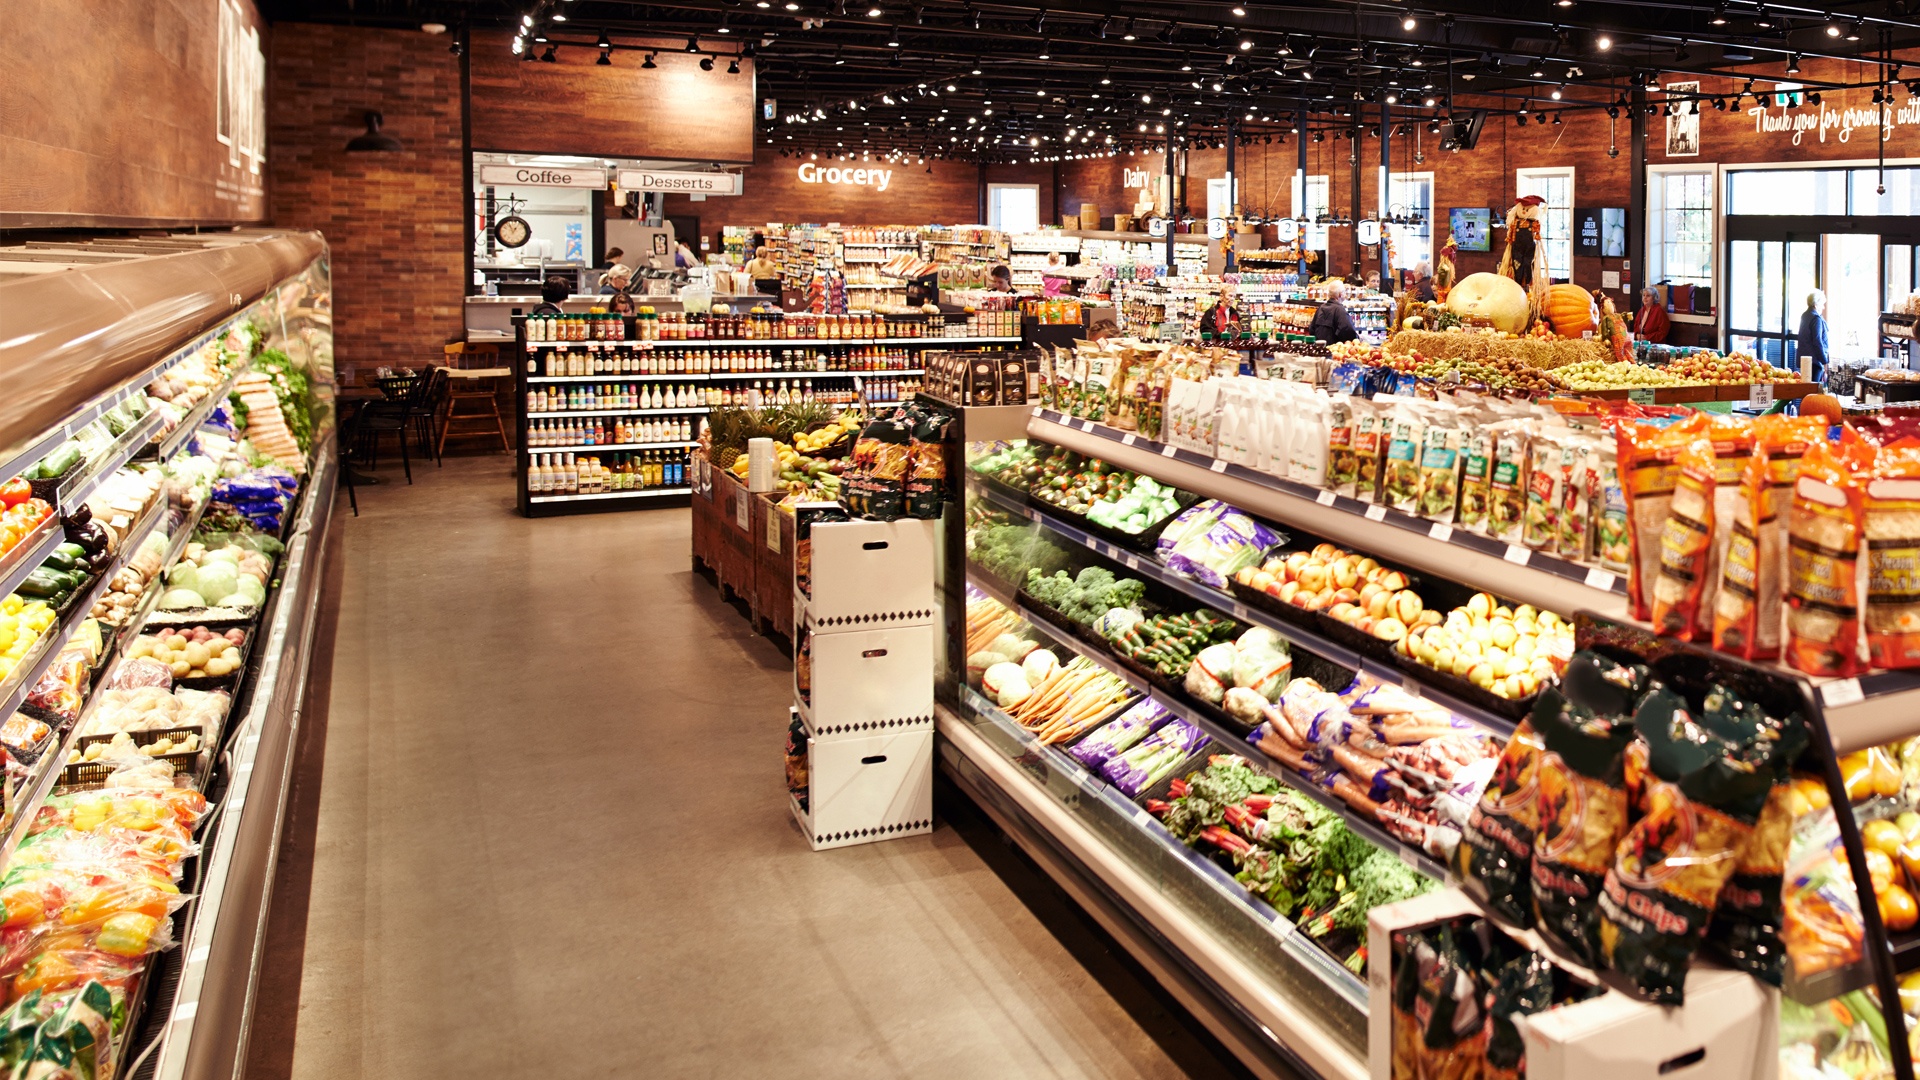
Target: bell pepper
x=47 y=971
x=15 y=491
x=126 y=934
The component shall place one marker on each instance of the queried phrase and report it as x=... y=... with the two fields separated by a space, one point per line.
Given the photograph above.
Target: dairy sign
x=877 y=179
x=1832 y=121
x=542 y=176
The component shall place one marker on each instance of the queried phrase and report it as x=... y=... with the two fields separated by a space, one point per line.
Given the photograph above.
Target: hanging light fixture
x=373 y=140
x=648 y=62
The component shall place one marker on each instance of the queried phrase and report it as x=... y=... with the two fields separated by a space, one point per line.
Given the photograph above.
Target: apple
x=1402 y=647
x=1245 y=575
x=1366 y=567
x=1344 y=573
x=1393 y=579
x=1326 y=552
x=1313 y=577
x=1288 y=591
x=1481 y=675
x=1342 y=611
x=1480 y=605
x=1429 y=617
x=1295 y=562
x=1502 y=633
x=1407 y=606
x=1368 y=590
x=1365 y=623
x=1259 y=580
x=1390 y=630
x=1345 y=596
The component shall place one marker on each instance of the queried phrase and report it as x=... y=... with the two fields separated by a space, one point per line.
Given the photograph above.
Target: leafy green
x=1087 y=596
x=295 y=391
x=1225 y=782
x=1009 y=551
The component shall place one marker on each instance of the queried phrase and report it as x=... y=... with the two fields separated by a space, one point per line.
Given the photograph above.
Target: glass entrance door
x=1852 y=274
x=1767 y=285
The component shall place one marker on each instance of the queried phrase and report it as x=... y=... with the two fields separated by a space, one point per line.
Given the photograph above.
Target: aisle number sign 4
x=878 y=179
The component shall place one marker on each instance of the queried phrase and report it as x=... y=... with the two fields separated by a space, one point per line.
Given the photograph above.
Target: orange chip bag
x=1824 y=532
x=1649 y=468
x=1747 y=609
x=1686 y=543
x=1892 y=509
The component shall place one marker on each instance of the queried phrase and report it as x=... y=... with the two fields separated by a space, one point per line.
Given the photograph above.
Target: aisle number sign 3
x=878 y=179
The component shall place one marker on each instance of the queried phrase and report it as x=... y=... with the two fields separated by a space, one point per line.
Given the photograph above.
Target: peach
x=1245 y=575
x=1326 y=552
x=1295 y=561
x=1260 y=580
x=1313 y=577
x=1288 y=591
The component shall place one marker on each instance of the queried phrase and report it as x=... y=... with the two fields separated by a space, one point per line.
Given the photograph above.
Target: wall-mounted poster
x=1683 y=127
x=1472 y=228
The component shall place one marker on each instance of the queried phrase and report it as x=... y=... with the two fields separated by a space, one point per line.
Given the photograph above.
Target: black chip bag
x=1406 y=1052
x=881 y=455
x=1584 y=731
x=1714 y=772
x=927 y=469
x=1450 y=1006
x=1496 y=847
x=1746 y=926
x=1520 y=987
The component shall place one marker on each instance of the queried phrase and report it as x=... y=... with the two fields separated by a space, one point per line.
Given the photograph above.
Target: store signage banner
x=877 y=179
x=542 y=176
x=683 y=183
x=1828 y=117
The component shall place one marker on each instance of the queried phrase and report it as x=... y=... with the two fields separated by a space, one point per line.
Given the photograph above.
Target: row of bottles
x=758 y=326
x=761 y=393
x=889 y=390
x=582 y=327
x=586 y=362
x=610 y=431
x=565 y=474
x=616 y=396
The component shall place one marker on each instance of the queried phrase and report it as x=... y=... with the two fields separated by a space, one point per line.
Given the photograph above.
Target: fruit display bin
x=1689 y=395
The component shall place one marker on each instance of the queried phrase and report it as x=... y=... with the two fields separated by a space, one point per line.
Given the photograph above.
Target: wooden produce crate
x=773 y=569
x=733 y=506
x=1688 y=395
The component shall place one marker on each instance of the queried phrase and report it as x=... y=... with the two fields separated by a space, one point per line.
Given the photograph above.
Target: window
x=1787 y=191
x=1681 y=226
x=1556 y=216
x=1317 y=204
x=1013 y=208
x=1410 y=195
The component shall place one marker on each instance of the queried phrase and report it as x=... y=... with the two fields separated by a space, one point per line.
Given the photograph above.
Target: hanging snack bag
x=1342 y=464
x=1451 y=1007
x=1576 y=503
x=1549 y=464
x=1507 y=486
x=1476 y=476
x=927 y=472
x=1496 y=848
x=1442 y=454
x=1582 y=798
x=1745 y=929
x=1740 y=608
x=1610 y=543
x=1369 y=416
x=1312 y=434
x=1712 y=780
x=1823 y=593
x=1892 y=528
x=1400 y=481
x=1685 y=542
x=1649 y=470
x=1521 y=987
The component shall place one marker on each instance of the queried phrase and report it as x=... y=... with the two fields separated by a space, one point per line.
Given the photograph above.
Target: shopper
x=764 y=273
x=1373 y=281
x=1811 y=345
x=614 y=255
x=1001 y=278
x=1332 y=324
x=552 y=292
x=617 y=285
x=1650 y=323
x=683 y=256
x=1422 y=288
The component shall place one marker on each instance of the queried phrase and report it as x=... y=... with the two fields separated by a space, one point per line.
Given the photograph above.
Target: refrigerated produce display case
x=169 y=476
x=1207 y=700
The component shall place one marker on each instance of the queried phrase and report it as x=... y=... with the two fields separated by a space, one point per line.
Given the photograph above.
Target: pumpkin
x=1570 y=310
x=1497 y=299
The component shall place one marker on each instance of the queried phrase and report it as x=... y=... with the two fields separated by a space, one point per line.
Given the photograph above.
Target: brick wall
x=392 y=220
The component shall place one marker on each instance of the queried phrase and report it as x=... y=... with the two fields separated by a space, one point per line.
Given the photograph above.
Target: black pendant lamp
x=374 y=140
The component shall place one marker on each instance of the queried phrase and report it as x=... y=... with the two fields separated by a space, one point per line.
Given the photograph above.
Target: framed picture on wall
x=659 y=243
x=1683 y=127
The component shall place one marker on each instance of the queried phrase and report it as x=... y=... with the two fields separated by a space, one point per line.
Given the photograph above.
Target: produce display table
x=773 y=568
x=1688 y=395
x=733 y=510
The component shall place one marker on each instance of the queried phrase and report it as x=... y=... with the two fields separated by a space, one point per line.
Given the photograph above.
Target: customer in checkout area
x=1000 y=278
x=1650 y=323
x=1811 y=345
x=764 y=273
x=1331 y=324
x=552 y=292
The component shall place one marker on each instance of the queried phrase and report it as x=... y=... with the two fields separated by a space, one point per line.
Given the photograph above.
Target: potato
x=177 y=641
x=197 y=655
x=180 y=669
x=218 y=667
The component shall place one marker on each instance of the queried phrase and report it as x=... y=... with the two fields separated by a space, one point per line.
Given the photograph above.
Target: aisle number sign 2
x=878 y=179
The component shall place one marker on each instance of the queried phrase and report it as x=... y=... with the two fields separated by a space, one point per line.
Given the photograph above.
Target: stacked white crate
x=864 y=613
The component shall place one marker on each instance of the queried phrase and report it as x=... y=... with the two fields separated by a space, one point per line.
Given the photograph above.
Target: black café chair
x=406 y=411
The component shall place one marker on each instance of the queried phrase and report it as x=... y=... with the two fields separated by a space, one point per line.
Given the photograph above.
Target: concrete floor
x=549 y=837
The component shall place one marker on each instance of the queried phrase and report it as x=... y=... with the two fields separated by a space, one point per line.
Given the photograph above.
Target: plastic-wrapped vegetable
x=1149 y=762
x=1211 y=673
x=1211 y=541
x=1119 y=734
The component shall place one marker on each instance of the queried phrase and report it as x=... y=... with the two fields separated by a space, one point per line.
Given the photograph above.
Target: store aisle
x=552 y=839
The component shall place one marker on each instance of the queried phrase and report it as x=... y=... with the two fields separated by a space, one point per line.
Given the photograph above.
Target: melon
x=182 y=599
x=1570 y=310
x=1499 y=300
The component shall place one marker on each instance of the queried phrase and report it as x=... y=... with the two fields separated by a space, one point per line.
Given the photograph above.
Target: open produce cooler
x=1142 y=638
x=159 y=551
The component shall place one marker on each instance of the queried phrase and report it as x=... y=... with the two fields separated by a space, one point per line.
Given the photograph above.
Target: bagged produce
x=1211 y=541
x=1119 y=734
x=1153 y=758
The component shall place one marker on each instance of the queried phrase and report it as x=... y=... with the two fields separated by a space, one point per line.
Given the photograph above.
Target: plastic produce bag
x=1119 y=734
x=138 y=672
x=1216 y=542
x=1159 y=754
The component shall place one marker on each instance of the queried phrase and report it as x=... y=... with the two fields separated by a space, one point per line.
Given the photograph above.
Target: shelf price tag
x=1841 y=692
x=1168 y=450
x=1037 y=410
x=1760 y=395
x=1441 y=531
x=1128 y=439
x=1219 y=465
x=1141 y=817
x=1600 y=579
x=1640 y=397
x=1325 y=498
x=1132 y=563
x=1376 y=512
x=1517 y=555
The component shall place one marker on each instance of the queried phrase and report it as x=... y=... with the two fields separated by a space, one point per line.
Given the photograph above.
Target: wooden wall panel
x=1841 y=127
x=120 y=125
x=772 y=191
x=673 y=112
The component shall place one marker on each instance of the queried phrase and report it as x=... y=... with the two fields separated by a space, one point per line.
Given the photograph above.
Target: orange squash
x=1570 y=310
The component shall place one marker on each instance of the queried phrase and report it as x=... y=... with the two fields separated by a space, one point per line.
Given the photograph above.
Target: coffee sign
x=542 y=176
x=877 y=179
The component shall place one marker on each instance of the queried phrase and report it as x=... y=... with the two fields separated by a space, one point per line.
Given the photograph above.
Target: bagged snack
x=1711 y=779
x=884 y=489
x=1441 y=458
x=1496 y=848
x=1507 y=485
x=1453 y=1038
x=1685 y=541
x=1649 y=470
x=1574 y=532
x=1745 y=929
x=1406 y=1050
x=1521 y=986
x=1476 y=477
x=926 y=487
x=1892 y=530
x=1342 y=464
x=1823 y=594
x=1367 y=418
x=1549 y=458
x=1400 y=467
x=1584 y=731
x=1611 y=546
x=1740 y=610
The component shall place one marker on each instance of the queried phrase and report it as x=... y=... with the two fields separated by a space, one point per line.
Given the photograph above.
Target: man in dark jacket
x=1812 y=342
x=1422 y=288
x=1331 y=323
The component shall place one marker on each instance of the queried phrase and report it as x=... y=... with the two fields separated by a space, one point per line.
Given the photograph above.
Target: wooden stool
x=475 y=384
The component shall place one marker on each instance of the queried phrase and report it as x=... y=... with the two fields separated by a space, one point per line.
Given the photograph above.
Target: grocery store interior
x=954 y=538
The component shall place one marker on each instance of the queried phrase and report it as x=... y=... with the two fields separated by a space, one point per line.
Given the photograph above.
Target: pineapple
x=729 y=438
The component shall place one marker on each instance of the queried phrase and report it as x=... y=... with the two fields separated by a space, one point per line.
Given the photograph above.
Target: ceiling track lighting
x=706 y=63
x=693 y=44
x=648 y=62
x=606 y=59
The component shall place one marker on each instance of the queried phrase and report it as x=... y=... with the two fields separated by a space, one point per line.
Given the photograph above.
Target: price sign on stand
x=741 y=511
x=1640 y=397
x=1760 y=396
x=773 y=531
